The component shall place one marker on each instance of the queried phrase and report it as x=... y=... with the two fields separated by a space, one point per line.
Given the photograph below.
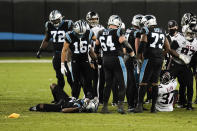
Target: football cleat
x=33 y=108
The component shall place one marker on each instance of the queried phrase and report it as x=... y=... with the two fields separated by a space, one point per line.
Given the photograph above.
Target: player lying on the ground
x=66 y=104
x=167 y=95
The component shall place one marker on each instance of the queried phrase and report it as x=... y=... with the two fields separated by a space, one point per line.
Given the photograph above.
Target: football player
x=133 y=36
x=153 y=41
x=185 y=45
x=166 y=93
x=98 y=76
x=111 y=40
x=56 y=29
x=78 y=42
x=190 y=20
x=66 y=104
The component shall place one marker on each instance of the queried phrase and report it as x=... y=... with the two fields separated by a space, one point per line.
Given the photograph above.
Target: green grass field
x=26 y=84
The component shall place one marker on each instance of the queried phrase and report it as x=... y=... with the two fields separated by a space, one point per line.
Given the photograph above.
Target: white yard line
x=25 y=61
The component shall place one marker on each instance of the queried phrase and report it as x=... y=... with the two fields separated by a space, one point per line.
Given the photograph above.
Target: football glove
x=184 y=59
x=63 y=68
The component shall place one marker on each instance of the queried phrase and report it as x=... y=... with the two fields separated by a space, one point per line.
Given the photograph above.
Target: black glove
x=38 y=53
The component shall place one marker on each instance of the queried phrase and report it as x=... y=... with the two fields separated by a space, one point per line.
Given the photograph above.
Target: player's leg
x=120 y=73
x=86 y=70
x=157 y=66
x=109 y=85
x=76 y=76
x=101 y=84
x=189 y=78
x=145 y=74
x=57 y=68
x=131 y=86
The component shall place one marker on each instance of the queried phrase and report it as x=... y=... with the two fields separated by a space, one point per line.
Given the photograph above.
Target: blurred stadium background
x=22 y=21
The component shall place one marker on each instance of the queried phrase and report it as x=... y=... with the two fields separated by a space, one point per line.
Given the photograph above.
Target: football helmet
x=172 y=27
x=115 y=20
x=165 y=77
x=92 y=18
x=188 y=33
x=92 y=105
x=137 y=20
x=188 y=18
x=55 y=17
x=149 y=20
x=79 y=27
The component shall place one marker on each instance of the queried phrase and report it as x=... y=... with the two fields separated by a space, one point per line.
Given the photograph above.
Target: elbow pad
x=142 y=47
x=128 y=46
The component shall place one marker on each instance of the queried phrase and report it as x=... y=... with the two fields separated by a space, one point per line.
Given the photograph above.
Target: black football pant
x=185 y=77
x=57 y=67
x=131 y=84
x=82 y=74
x=114 y=69
x=62 y=101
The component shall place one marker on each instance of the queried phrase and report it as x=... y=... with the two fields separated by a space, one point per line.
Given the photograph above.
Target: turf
x=27 y=84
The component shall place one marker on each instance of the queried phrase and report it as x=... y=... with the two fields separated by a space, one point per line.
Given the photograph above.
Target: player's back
x=109 y=40
x=79 y=45
x=154 y=47
x=131 y=34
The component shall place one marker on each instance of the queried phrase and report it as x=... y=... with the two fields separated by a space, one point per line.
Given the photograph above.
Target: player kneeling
x=66 y=104
x=167 y=93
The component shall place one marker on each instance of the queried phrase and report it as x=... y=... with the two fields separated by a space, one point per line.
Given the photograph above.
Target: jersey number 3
x=157 y=43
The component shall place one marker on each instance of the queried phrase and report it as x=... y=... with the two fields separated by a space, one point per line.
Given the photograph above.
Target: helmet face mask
x=55 y=18
x=149 y=20
x=115 y=20
x=137 y=20
x=79 y=27
x=92 y=18
x=188 y=33
x=165 y=77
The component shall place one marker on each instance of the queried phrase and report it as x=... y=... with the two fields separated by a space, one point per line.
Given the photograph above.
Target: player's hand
x=38 y=54
x=63 y=68
x=184 y=59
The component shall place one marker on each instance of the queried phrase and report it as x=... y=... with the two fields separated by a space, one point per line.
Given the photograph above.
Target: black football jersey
x=131 y=35
x=57 y=34
x=154 y=47
x=109 y=42
x=79 y=45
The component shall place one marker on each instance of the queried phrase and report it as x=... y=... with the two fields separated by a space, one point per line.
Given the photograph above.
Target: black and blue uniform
x=56 y=35
x=113 y=64
x=81 y=69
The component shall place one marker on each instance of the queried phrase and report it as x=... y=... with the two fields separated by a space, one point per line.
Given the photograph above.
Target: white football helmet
x=92 y=105
x=79 y=27
x=188 y=33
x=92 y=18
x=149 y=20
x=123 y=26
x=188 y=18
x=137 y=20
x=115 y=20
x=55 y=17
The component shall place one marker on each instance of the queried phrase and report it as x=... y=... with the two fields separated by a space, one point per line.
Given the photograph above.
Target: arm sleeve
x=68 y=38
x=174 y=45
